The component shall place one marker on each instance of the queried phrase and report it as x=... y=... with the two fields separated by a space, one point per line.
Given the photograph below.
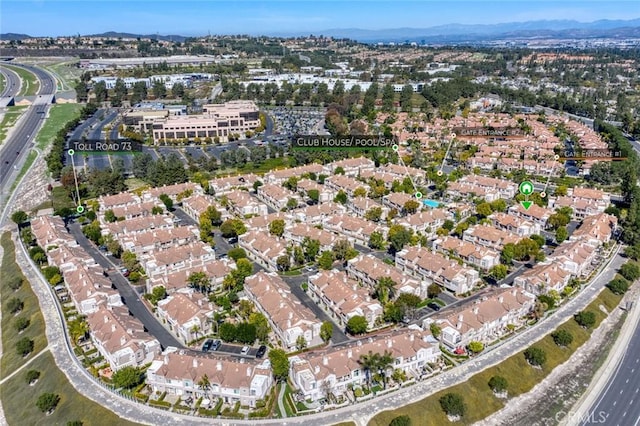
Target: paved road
x=128 y=294
x=95 y=160
x=619 y=402
x=12 y=83
x=22 y=138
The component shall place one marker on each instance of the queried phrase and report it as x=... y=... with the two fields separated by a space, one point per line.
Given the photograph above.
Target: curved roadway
x=23 y=136
x=12 y=83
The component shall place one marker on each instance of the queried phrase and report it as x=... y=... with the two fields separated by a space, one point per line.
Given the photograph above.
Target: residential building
x=352 y=166
x=160 y=262
x=356 y=230
x=243 y=204
x=488 y=236
x=472 y=254
x=224 y=185
x=262 y=248
x=596 y=230
x=514 y=224
x=426 y=221
x=188 y=314
x=544 y=277
x=276 y=196
x=368 y=270
x=296 y=233
x=343 y=297
x=51 y=231
x=288 y=317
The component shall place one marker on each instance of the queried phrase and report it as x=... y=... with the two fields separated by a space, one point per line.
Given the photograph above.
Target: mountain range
x=559 y=29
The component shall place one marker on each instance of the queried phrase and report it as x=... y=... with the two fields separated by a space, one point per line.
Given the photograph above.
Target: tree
x=159 y=90
x=204 y=384
x=562 y=337
x=411 y=207
x=276 y=227
x=453 y=404
x=24 y=346
x=433 y=290
x=403 y=420
x=301 y=343
x=231 y=228
x=75 y=423
x=341 y=249
x=369 y=363
x=199 y=281
x=92 y=231
x=535 y=356
x=261 y=325
x=359 y=192
x=498 y=384
x=435 y=329
x=475 y=347
x=32 y=376
x=385 y=289
x=47 y=402
x=19 y=217
x=177 y=90
x=245 y=333
x=341 y=197
x=499 y=272
x=311 y=248
x=483 y=210
x=236 y=253
x=128 y=377
x=314 y=195
x=15 y=305
x=357 y=324
x=508 y=253
x=374 y=214
x=561 y=234
x=326 y=330
x=167 y=201
x=630 y=271
x=283 y=262
x=78 y=329
x=398 y=236
x=325 y=261
x=292 y=203
x=585 y=319
x=21 y=323
x=227 y=332
x=279 y=364
x=618 y=286
x=376 y=240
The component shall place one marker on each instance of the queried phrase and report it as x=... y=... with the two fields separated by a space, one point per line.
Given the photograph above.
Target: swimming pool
x=431 y=203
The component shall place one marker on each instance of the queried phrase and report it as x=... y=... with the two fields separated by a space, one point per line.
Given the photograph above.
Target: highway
x=619 y=402
x=12 y=83
x=23 y=136
x=95 y=160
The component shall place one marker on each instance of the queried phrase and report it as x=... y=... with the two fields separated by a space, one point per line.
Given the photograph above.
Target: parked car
x=216 y=345
x=245 y=350
x=261 y=351
x=434 y=306
x=207 y=345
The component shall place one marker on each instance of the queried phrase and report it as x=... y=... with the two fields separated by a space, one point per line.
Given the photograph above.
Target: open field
x=521 y=377
x=66 y=74
x=31 y=157
x=30 y=83
x=59 y=115
x=11 y=273
x=10 y=118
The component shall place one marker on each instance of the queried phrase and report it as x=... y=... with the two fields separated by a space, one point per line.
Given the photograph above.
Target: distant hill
x=13 y=36
x=114 y=34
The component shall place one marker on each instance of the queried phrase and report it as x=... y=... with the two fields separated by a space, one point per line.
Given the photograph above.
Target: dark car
x=216 y=344
x=261 y=351
x=434 y=306
x=207 y=345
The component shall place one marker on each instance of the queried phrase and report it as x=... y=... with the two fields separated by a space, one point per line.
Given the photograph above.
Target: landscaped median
x=478 y=398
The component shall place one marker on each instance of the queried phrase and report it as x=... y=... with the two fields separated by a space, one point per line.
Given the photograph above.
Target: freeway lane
x=619 y=403
x=12 y=83
x=23 y=136
x=95 y=160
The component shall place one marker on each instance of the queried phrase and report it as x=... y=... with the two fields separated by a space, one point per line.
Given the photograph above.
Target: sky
x=199 y=17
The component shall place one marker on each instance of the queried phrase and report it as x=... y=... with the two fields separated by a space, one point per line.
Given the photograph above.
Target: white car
x=245 y=350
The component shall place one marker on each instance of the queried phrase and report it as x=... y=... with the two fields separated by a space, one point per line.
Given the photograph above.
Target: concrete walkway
x=283 y=412
x=359 y=413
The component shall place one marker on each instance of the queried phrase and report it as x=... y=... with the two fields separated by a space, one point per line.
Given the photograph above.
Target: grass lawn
x=30 y=83
x=66 y=74
x=10 y=118
x=2 y=82
x=59 y=115
x=19 y=399
x=11 y=360
x=134 y=184
x=521 y=377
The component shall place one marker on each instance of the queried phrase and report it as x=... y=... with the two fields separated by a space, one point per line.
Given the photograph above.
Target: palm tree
x=204 y=384
x=195 y=330
x=385 y=361
x=385 y=289
x=199 y=281
x=78 y=329
x=368 y=362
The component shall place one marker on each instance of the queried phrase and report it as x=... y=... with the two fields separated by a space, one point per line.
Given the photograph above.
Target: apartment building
x=89 y=290
x=217 y=121
x=137 y=225
x=597 y=229
x=426 y=222
x=276 y=196
x=224 y=185
x=318 y=213
x=159 y=239
x=484 y=320
x=490 y=237
x=144 y=209
x=123 y=199
x=583 y=202
x=356 y=230
x=160 y=262
x=472 y=254
x=368 y=270
x=280 y=176
x=534 y=213
x=68 y=258
x=343 y=297
x=288 y=317
x=296 y=233
x=243 y=204
x=262 y=248
x=178 y=373
x=514 y=224
x=197 y=204
x=173 y=191
x=361 y=205
x=186 y=313
x=434 y=267
x=352 y=166
x=216 y=270
x=120 y=338
x=577 y=257
x=51 y=231
x=400 y=172
x=544 y=277
x=337 y=369
x=397 y=200
x=344 y=183
x=305 y=185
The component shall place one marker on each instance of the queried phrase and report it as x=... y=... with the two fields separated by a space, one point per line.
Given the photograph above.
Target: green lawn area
x=2 y=82
x=134 y=184
x=66 y=74
x=521 y=377
x=30 y=83
x=59 y=115
x=10 y=118
x=11 y=273
x=18 y=400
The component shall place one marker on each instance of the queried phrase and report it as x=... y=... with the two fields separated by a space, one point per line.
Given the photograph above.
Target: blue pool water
x=431 y=203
